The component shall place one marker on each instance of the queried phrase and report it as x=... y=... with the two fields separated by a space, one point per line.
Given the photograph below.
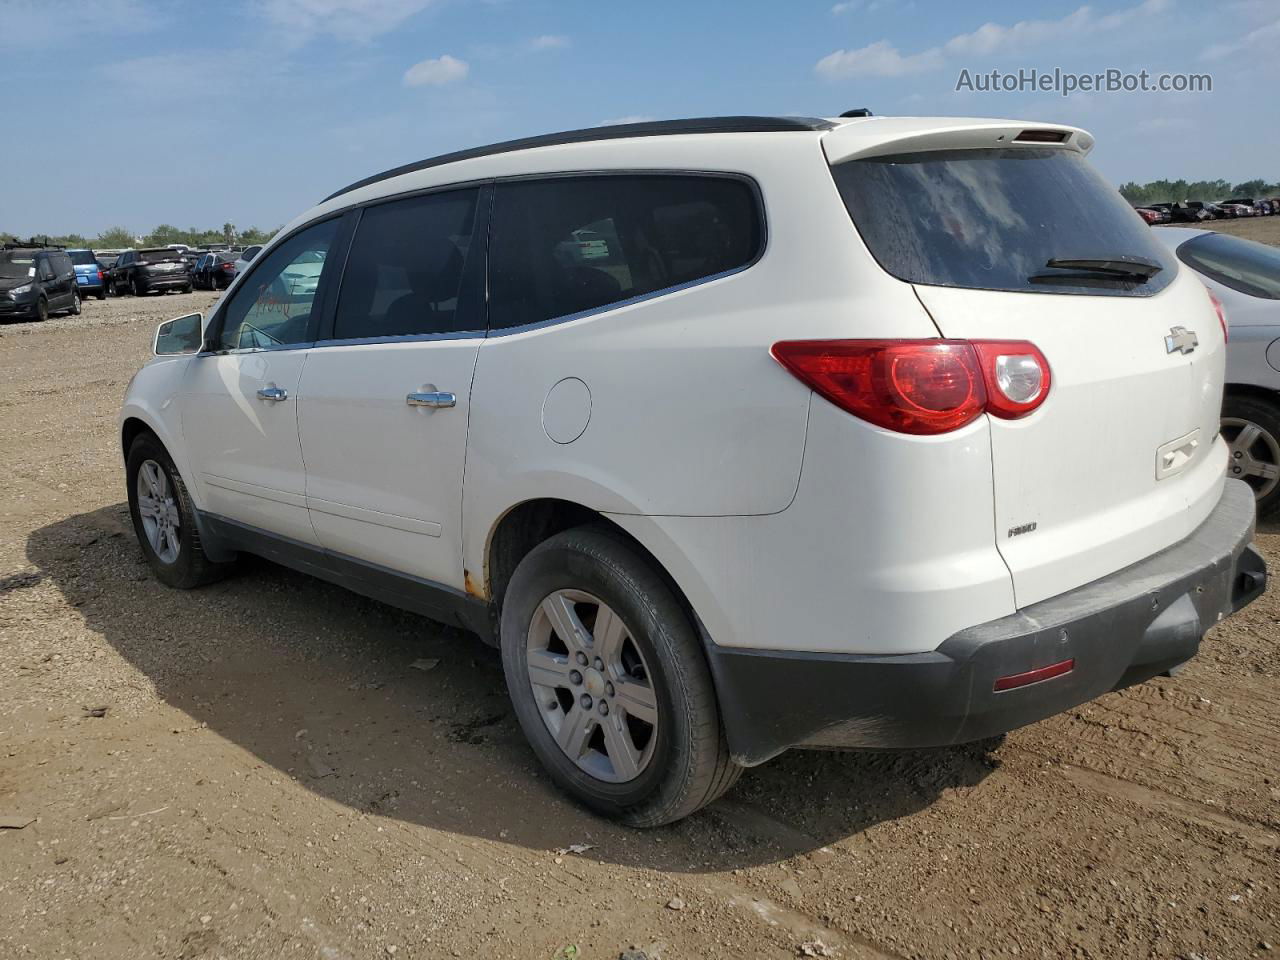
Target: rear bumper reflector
x=1035 y=676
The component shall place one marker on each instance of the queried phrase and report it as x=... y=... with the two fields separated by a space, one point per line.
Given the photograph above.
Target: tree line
x=122 y=238
x=1175 y=191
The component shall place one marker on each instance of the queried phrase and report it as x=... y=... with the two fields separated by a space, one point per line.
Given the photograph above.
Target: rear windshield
x=82 y=257
x=155 y=256
x=16 y=263
x=1244 y=265
x=992 y=219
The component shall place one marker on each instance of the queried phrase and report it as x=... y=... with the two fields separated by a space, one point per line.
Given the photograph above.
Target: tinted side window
x=273 y=305
x=1243 y=265
x=565 y=245
x=404 y=273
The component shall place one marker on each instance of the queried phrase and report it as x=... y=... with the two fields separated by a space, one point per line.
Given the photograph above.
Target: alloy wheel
x=593 y=686
x=1254 y=454
x=158 y=508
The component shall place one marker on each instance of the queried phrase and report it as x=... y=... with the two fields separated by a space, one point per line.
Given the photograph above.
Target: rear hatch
x=1006 y=239
x=161 y=263
x=86 y=267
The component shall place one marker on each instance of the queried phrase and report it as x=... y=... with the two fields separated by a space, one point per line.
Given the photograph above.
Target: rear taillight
x=1017 y=376
x=1222 y=315
x=99 y=274
x=921 y=387
x=228 y=266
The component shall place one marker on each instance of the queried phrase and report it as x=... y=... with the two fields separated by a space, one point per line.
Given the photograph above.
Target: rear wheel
x=609 y=681
x=164 y=518
x=75 y=303
x=102 y=292
x=138 y=289
x=42 y=310
x=1251 y=428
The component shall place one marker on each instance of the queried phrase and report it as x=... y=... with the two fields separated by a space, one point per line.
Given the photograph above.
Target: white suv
x=735 y=435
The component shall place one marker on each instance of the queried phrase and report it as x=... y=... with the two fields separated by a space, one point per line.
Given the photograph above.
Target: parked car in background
x=898 y=485
x=1245 y=278
x=246 y=258
x=107 y=259
x=1245 y=207
x=1188 y=213
x=36 y=282
x=1151 y=216
x=214 y=271
x=89 y=275
x=156 y=269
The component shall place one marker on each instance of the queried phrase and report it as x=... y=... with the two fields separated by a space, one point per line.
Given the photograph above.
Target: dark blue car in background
x=88 y=274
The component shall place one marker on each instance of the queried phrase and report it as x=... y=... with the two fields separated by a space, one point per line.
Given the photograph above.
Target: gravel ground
x=272 y=778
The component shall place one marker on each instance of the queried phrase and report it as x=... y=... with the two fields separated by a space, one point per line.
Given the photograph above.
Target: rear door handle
x=438 y=399
x=275 y=394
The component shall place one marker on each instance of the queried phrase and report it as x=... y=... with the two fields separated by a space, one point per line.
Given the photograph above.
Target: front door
x=384 y=396
x=240 y=409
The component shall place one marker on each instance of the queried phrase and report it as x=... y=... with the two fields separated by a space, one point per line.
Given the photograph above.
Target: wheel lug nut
x=575 y=678
x=581 y=658
x=586 y=701
x=608 y=689
x=599 y=664
x=604 y=709
x=1237 y=454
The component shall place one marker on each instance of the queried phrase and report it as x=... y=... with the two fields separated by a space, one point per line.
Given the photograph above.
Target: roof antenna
x=857 y=112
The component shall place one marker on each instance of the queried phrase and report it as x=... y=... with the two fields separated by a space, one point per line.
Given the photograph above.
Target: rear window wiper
x=1137 y=269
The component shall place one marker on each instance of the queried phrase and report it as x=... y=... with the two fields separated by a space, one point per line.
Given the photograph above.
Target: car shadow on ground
x=267 y=654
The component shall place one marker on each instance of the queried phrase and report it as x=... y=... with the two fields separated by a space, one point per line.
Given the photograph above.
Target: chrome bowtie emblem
x=1181 y=339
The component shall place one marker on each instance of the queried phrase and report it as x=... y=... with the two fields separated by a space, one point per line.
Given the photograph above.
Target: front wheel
x=42 y=310
x=609 y=681
x=138 y=289
x=1251 y=428
x=164 y=518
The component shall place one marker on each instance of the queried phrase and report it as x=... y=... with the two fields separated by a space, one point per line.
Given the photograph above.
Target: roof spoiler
x=885 y=136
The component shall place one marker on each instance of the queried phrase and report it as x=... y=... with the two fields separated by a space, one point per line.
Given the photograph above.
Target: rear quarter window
x=1243 y=265
x=567 y=245
x=992 y=219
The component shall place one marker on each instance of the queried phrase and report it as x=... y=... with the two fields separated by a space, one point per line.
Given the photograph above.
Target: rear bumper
x=164 y=280
x=85 y=283
x=1122 y=629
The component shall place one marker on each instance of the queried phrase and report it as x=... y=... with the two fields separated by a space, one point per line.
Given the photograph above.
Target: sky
x=141 y=112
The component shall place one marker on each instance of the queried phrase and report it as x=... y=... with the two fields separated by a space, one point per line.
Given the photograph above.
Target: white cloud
x=883 y=59
x=549 y=41
x=1264 y=36
x=436 y=72
x=879 y=59
x=359 y=20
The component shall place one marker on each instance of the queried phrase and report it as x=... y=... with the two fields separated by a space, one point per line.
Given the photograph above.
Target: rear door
x=1120 y=460
x=385 y=395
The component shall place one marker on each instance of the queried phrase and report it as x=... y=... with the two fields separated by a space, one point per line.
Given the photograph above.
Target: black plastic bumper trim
x=1122 y=629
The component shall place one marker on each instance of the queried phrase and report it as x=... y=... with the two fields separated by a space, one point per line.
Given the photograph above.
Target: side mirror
x=179 y=336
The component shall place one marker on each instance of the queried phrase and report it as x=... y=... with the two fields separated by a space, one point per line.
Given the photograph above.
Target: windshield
x=993 y=219
x=1244 y=265
x=156 y=256
x=15 y=264
x=82 y=257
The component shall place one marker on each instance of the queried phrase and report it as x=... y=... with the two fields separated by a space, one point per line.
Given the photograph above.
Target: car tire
x=137 y=288
x=620 y=763
x=1251 y=428
x=102 y=294
x=165 y=522
x=75 y=303
x=188 y=288
x=42 y=310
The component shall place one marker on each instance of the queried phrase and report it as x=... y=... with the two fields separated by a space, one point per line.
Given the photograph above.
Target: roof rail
x=32 y=244
x=618 y=131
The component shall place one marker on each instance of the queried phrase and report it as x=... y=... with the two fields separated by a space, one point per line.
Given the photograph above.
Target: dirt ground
x=273 y=778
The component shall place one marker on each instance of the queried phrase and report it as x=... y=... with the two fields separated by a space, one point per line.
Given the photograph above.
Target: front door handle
x=438 y=399
x=275 y=394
